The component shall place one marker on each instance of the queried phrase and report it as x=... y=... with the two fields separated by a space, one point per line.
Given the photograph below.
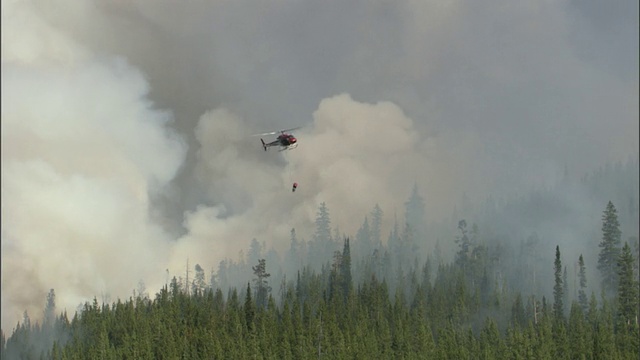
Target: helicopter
x=285 y=140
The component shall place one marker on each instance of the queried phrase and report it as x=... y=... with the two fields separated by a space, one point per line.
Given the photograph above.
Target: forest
x=515 y=278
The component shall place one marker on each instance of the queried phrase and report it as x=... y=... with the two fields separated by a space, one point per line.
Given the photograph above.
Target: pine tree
x=437 y=253
x=558 y=290
x=393 y=241
x=376 y=227
x=335 y=276
x=223 y=273
x=322 y=246
x=491 y=344
x=422 y=338
x=582 y=296
x=287 y=337
x=249 y=309
x=518 y=317
x=530 y=255
x=545 y=347
x=415 y=217
x=425 y=280
x=464 y=243
x=363 y=238
x=627 y=289
x=561 y=340
x=323 y=224
x=636 y=250
x=407 y=250
x=199 y=283
x=262 y=285
x=604 y=346
x=578 y=334
x=479 y=258
x=345 y=269
x=610 y=249
x=50 y=309
x=565 y=287
x=293 y=257
x=592 y=313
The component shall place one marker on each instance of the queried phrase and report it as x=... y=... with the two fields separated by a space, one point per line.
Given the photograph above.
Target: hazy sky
x=126 y=125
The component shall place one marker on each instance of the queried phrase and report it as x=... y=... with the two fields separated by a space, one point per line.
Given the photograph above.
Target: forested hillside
x=496 y=285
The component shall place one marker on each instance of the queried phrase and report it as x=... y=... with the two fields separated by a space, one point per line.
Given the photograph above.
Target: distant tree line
x=331 y=297
x=455 y=314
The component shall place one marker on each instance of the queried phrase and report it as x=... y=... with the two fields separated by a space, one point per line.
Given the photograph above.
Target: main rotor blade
x=295 y=128
x=269 y=133
x=278 y=132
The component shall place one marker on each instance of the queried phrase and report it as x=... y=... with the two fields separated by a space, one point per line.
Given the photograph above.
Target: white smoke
x=82 y=149
x=352 y=156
